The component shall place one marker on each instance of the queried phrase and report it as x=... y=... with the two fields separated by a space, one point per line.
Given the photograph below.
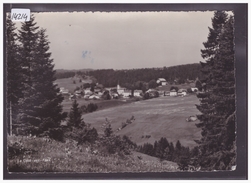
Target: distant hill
x=109 y=77
x=73 y=70
x=65 y=73
x=174 y=75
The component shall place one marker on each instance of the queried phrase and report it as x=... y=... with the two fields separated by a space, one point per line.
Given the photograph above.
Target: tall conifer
x=49 y=108
x=217 y=106
x=40 y=108
x=12 y=71
x=75 y=117
x=28 y=36
x=211 y=45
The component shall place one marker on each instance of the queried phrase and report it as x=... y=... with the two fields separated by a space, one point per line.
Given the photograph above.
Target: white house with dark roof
x=161 y=81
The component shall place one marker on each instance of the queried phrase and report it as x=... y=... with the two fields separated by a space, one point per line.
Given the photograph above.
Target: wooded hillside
x=175 y=74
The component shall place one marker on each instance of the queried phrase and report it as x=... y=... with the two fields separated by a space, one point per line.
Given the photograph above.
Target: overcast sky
x=125 y=40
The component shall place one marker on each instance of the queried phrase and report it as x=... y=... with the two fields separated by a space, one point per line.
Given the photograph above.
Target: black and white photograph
x=121 y=92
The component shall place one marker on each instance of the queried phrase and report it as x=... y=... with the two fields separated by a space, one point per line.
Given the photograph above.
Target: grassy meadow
x=68 y=83
x=44 y=155
x=158 y=117
x=102 y=104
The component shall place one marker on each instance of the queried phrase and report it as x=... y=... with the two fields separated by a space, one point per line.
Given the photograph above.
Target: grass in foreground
x=33 y=154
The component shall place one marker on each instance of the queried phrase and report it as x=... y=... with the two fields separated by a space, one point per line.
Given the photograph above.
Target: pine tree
x=160 y=147
x=28 y=41
x=108 y=130
x=13 y=71
x=40 y=107
x=198 y=85
x=211 y=46
x=75 y=118
x=28 y=36
x=224 y=97
x=49 y=109
x=217 y=120
x=178 y=146
x=13 y=68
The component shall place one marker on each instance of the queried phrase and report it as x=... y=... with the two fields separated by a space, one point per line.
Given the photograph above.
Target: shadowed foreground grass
x=33 y=154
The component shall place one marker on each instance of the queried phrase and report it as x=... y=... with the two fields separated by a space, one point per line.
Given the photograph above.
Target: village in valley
x=95 y=91
x=94 y=100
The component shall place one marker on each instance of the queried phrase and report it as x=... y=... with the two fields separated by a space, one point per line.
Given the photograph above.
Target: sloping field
x=102 y=104
x=68 y=83
x=159 y=117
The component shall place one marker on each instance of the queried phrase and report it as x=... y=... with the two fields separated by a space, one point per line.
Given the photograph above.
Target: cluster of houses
x=173 y=92
x=116 y=92
x=97 y=93
x=180 y=92
x=89 y=94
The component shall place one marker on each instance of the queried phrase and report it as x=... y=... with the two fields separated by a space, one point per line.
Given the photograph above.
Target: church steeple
x=118 y=87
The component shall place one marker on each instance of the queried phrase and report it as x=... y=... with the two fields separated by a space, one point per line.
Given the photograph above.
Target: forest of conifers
x=110 y=77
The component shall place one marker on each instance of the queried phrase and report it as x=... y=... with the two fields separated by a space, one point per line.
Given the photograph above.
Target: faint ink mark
x=86 y=54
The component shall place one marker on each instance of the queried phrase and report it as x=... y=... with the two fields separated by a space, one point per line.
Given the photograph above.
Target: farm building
x=166 y=93
x=88 y=91
x=99 y=93
x=173 y=93
x=161 y=81
x=96 y=90
x=137 y=93
x=127 y=93
x=86 y=96
x=64 y=91
x=151 y=90
x=114 y=95
x=164 y=83
x=182 y=92
x=79 y=92
x=94 y=97
x=194 y=89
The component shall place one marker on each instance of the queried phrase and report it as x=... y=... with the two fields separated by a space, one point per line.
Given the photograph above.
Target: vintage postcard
x=120 y=91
